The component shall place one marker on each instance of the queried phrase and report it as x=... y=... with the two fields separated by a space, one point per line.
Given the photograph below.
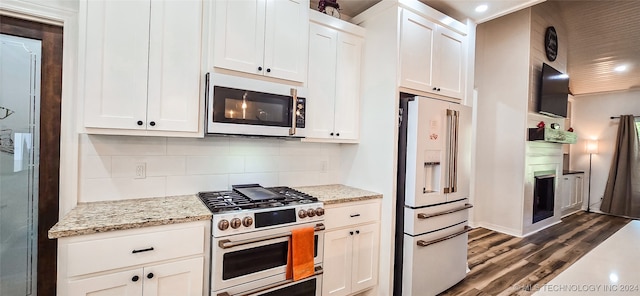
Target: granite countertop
x=336 y=193
x=95 y=217
x=570 y=172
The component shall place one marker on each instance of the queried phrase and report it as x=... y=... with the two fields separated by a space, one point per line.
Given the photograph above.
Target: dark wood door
x=50 y=104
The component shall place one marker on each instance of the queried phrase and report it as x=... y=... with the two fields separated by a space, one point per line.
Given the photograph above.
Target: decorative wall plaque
x=551 y=43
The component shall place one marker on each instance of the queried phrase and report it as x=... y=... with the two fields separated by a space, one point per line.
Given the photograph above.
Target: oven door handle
x=318 y=271
x=227 y=244
x=422 y=243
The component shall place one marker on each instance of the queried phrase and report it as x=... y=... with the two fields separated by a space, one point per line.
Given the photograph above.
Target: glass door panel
x=20 y=60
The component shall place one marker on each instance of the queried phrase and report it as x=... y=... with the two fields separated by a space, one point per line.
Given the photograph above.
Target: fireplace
x=543 y=195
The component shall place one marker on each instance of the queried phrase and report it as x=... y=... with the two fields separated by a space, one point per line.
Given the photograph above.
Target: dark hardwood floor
x=505 y=265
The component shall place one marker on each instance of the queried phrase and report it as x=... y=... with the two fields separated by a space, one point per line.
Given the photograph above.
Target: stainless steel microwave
x=243 y=106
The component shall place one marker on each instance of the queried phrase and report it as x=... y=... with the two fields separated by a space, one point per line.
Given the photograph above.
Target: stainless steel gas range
x=250 y=240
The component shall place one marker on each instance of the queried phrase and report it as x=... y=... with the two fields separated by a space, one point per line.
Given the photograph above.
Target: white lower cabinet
x=351 y=248
x=154 y=261
x=572 y=195
x=182 y=277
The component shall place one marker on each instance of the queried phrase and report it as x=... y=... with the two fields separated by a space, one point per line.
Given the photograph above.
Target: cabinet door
x=322 y=81
x=174 y=66
x=286 y=39
x=116 y=63
x=578 y=193
x=239 y=35
x=182 y=278
x=365 y=257
x=417 y=51
x=449 y=63
x=337 y=262
x=113 y=284
x=566 y=192
x=347 y=105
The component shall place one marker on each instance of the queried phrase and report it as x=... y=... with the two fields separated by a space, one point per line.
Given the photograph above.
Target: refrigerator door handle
x=448 y=188
x=422 y=243
x=427 y=216
x=454 y=181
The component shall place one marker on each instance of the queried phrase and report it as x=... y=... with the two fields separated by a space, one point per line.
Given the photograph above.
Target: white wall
x=591 y=120
x=178 y=166
x=502 y=82
x=371 y=164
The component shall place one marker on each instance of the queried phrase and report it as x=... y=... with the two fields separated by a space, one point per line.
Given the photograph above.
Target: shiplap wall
x=178 y=166
x=543 y=16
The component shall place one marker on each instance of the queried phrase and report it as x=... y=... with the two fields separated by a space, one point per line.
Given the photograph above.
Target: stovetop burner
x=228 y=201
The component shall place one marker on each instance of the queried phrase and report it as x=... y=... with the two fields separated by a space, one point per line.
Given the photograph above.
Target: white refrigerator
x=434 y=163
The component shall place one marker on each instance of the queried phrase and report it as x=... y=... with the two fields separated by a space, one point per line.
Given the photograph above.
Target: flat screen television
x=553 y=93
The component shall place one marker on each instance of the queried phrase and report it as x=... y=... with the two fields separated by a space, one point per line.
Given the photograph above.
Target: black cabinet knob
x=153 y=123
x=150 y=275
x=357 y=231
x=438 y=89
x=140 y=122
x=338 y=134
x=434 y=88
x=268 y=70
x=135 y=278
x=331 y=134
x=259 y=68
x=350 y=232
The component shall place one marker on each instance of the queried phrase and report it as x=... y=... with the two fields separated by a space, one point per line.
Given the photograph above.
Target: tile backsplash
x=178 y=166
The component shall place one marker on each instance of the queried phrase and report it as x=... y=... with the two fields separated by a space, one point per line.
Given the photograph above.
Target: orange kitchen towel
x=300 y=255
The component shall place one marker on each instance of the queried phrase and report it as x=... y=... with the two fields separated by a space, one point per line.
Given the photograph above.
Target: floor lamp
x=591 y=148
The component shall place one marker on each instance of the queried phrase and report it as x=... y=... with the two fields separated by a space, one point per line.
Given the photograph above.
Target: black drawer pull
x=150 y=275
x=135 y=278
x=355 y=215
x=142 y=250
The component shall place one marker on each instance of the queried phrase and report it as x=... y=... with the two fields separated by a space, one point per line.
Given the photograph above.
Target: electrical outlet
x=141 y=170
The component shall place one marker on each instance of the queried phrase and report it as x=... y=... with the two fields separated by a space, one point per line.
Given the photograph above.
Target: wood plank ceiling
x=602 y=36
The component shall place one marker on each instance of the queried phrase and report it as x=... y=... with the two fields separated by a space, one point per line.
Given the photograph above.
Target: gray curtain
x=622 y=193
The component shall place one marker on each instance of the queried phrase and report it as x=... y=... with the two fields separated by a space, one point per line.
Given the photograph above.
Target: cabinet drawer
x=101 y=254
x=348 y=215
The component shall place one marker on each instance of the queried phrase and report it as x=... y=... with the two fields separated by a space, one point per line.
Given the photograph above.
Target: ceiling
x=602 y=35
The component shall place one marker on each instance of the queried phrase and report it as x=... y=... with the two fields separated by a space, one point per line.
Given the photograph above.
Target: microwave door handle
x=294 y=99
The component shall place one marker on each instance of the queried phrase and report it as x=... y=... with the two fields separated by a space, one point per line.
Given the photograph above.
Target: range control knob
x=247 y=221
x=302 y=214
x=223 y=224
x=235 y=223
x=311 y=212
x=319 y=211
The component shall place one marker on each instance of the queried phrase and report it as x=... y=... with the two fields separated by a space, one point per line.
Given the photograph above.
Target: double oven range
x=251 y=230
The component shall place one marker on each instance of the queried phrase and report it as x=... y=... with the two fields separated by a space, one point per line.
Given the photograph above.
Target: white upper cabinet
x=335 y=54
x=432 y=57
x=141 y=65
x=262 y=37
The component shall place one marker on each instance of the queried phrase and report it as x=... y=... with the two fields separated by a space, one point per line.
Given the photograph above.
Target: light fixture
x=591 y=148
x=482 y=8
x=620 y=68
x=613 y=278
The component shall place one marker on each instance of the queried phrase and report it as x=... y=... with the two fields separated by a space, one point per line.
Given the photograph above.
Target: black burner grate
x=228 y=201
